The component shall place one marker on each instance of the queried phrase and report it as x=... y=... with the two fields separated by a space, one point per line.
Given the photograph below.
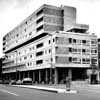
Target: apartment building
x=48 y=46
x=99 y=55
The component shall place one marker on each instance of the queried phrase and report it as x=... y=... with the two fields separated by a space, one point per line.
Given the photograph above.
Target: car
x=27 y=81
x=12 y=82
x=1 y=81
x=19 y=82
x=6 y=81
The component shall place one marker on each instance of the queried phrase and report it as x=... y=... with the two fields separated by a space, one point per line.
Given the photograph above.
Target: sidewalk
x=61 y=88
x=49 y=88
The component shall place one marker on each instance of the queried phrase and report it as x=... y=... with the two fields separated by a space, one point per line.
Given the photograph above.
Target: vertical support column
x=28 y=73
x=19 y=75
x=50 y=76
x=70 y=73
x=39 y=76
x=23 y=74
x=98 y=77
x=46 y=75
x=56 y=76
x=16 y=75
x=33 y=76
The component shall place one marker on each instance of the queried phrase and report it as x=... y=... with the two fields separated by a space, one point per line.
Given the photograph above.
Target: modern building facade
x=48 y=46
x=0 y=68
x=99 y=56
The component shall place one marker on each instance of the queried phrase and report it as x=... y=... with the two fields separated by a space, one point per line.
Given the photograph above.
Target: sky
x=13 y=12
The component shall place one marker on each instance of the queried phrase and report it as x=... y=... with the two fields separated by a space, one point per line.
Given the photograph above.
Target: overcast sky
x=12 y=12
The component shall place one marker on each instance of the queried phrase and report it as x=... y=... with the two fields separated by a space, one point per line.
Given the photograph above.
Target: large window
x=39 y=20
x=70 y=59
x=61 y=50
x=39 y=62
x=74 y=40
x=39 y=45
x=62 y=40
x=39 y=12
x=94 y=42
x=39 y=53
x=85 y=60
x=93 y=51
x=84 y=41
x=61 y=60
x=70 y=50
x=83 y=50
x=39 y=28
x=70 y=40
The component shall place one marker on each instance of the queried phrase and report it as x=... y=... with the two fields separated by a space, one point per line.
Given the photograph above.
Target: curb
x=47 y=89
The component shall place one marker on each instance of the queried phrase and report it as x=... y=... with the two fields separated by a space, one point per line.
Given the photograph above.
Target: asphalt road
x=15 y=93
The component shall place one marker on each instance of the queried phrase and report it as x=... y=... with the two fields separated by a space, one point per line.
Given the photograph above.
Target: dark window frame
x=39 y=62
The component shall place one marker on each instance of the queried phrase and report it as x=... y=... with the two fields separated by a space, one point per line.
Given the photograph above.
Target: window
x=93 y=41
x=30 y=56
x=33 y=47
x=25 y=29
x=39 y=12
x=39 y=62
x=86 y=61
x=93 y=51
x=45 y=51
x=4 y=48
x=70 y=59
x=39 y=28
x=61 y=60
x=19 y=53
x=74 y=50
x=49 y=41
x=93 y=61
x=39 y=53
x=4 y=43
x=28 y=64
x=74 y=40
x=83 y=50
x=39 y=20
x=26 y=22
x=25 y=58
x=70 y=40
x=49 y=50
x=20 y=59
x=83 y=59
x=53 y=40
x=84 y=41
x=30 y=33
x=70 y=49
x=17 y=35
x=30 y=49
x=39 y=45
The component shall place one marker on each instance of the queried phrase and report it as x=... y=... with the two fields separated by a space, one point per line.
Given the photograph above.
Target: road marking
x=2 y=90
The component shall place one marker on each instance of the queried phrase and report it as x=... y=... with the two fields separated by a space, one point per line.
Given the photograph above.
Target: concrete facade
x=48 y=46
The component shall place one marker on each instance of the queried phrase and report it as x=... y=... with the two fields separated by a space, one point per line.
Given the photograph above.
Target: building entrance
x=79 y=74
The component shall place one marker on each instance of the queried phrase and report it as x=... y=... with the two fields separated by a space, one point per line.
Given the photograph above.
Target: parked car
x=6 y=81
x=12 y=82
x=1 y=81
x=27 y=81
x=19 y=82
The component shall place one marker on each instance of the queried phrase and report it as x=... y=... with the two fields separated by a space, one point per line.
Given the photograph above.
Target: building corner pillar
x=56 y=76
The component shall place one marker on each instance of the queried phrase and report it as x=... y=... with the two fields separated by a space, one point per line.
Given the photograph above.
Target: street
x=14 y=93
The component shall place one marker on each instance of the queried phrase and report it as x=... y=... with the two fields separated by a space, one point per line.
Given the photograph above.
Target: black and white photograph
x=50 y=50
